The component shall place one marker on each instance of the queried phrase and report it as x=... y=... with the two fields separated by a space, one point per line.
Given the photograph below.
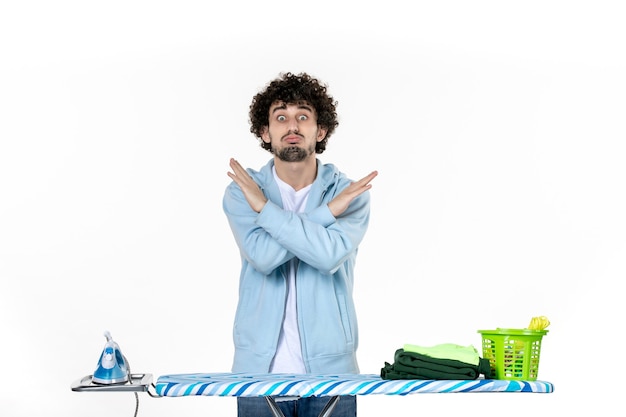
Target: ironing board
x=277 y=387
x=280 y=385
x=272 y=386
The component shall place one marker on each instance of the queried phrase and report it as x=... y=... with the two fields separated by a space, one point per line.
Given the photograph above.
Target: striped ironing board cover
x=285 y=385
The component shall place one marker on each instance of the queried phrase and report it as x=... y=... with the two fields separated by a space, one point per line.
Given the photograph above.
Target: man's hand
x=250 y=189
x=340 y=203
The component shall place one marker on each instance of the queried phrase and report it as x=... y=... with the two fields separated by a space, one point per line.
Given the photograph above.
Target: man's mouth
x=292 y=139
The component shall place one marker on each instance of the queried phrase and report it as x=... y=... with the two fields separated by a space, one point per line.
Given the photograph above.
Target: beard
x=293 y=153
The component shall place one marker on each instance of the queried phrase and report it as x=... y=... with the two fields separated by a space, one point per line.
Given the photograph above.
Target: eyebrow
x=300 y=106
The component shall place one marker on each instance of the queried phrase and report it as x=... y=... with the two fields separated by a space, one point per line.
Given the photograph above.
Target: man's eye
x=302 y=117
x=281 y=118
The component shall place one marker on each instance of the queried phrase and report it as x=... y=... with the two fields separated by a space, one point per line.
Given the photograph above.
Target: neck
x=297 y=174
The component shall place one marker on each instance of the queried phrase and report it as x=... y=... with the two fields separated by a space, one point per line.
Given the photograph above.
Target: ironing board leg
x=330 y=406
x=275 y=410
x=327 y=411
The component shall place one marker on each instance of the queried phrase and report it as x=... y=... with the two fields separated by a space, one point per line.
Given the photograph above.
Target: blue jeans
x=302 y=407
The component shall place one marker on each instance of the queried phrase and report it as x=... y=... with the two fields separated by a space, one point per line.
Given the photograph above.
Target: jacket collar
x=326 y=176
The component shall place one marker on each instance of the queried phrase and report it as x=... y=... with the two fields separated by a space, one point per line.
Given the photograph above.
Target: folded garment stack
x=446 y=361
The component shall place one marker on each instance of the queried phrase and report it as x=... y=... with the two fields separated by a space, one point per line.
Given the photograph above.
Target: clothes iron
x=112 y=367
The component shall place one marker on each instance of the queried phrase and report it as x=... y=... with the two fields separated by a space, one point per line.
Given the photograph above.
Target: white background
x=497 y=128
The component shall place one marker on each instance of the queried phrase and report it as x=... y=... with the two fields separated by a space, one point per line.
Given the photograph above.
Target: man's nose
x=293 y=125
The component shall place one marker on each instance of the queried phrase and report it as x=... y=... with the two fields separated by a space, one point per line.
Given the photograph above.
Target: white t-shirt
x=288 y=357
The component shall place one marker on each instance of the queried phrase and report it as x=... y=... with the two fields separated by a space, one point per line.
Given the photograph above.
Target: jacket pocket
x=345 y=318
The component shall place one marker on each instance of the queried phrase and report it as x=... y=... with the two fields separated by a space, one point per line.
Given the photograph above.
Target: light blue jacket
x=326 y=248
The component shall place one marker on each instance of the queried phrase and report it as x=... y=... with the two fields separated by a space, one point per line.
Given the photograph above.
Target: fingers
x=364 y=183
x=368 y=178
x=340 y=203
x=236 y=167
x=238 y=174
x=251 y=191
x=352 y=191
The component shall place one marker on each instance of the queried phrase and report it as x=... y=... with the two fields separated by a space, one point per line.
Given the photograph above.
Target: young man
x=298 y=224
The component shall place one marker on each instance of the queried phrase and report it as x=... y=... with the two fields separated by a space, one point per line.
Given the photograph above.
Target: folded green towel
x=467 y=354
x=411 y=365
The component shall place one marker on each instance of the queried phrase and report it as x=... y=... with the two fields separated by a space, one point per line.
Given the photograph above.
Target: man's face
x=293 y=131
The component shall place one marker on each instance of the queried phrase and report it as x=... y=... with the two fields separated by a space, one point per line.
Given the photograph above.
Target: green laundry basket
x=513 y=354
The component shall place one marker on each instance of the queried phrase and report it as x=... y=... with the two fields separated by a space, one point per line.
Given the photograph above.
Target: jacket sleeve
x=317 y=237
x=272 y=237
x=257 y=246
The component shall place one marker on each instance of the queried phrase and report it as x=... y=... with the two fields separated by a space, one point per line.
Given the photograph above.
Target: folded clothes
x=411 y=365
x=467 y=354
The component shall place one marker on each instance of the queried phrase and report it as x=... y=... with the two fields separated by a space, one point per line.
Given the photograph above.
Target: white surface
x=497 y=128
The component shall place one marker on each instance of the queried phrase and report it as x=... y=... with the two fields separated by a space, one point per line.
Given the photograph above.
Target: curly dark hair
x=294 y=89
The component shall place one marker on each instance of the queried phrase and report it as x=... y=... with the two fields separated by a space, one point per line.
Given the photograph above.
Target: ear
x=321 y=133
x=265 y=134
